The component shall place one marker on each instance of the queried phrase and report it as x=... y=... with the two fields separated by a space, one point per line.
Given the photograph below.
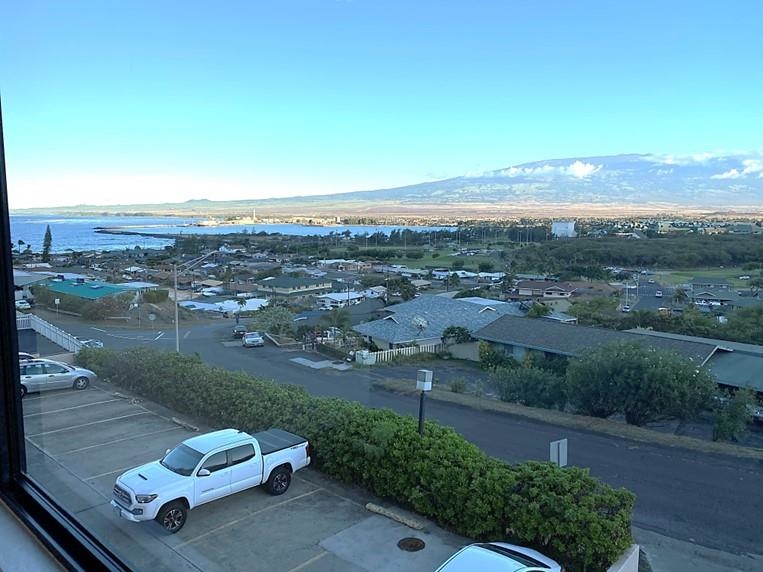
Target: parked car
x=44 y=375
x=252 y=340
x=25 y=356
x=206 y=468
x=626 y=308
x=23 y=305
x=239 y=331
x=658 y=294
x=499 y=557
x=88 y=343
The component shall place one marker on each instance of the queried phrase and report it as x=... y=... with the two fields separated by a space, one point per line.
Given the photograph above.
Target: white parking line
x=69 y=408
x=97 y=329
x=122 y=470
x=188 y=333
x=87 y=424
x=308 y=562
x=159 y=336
x=243 y=518
x=166 y=430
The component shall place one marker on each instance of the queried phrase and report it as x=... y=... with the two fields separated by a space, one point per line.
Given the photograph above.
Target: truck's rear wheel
x=279 y=481
x=172 y=516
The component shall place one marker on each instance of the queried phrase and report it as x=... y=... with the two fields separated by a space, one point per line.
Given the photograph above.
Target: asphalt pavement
x=703 y=500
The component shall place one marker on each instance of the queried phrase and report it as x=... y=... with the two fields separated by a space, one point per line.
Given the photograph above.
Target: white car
x=252 y=340
x=206 y=468
x=499 y=557
x=23 y=305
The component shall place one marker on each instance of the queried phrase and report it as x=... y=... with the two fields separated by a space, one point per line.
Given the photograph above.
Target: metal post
x=177 y=325
x=421 y=413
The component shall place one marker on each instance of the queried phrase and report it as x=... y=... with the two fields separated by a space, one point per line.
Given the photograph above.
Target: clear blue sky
x=144 y=101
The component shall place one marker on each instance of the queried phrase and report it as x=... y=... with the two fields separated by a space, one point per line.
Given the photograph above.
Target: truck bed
x=274 y=440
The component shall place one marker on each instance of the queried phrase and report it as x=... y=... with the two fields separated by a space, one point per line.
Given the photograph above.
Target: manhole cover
x=410 y=544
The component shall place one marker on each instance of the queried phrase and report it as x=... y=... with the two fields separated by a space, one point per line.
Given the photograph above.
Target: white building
x=563 y=229
x=338 y=300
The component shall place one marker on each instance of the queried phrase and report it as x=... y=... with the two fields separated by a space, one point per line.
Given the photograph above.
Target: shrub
x=156 y=296
x=641 y=382
x=733 y=414
x=530 y=386
x=492 y=357
x=458 y=385
x=563 y=512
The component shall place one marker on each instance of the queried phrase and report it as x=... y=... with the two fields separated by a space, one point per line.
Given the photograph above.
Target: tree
x=756 y=284
x=274 y=320
x=456 y=335
x=641 y=382
x=453 y=280
x=338 y=318
x=733 y=413
x=538 y=310
x=680 y=296
x=402 y=287
x=47 y=242
x=486 y=266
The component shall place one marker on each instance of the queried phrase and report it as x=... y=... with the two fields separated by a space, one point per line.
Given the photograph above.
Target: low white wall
x=628 y=562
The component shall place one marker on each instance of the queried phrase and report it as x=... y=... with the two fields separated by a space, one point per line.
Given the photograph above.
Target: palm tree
x=680 y=296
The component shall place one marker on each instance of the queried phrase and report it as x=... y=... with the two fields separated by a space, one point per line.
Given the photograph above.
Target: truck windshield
x=182 y=460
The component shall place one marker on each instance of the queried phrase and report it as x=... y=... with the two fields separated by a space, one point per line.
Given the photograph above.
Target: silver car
x=43 y=374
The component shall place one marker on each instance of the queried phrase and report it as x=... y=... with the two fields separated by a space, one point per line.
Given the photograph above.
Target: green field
x=444 y=259
x=674 y=277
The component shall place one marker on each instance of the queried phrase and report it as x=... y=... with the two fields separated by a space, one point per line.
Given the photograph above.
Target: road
x=710 y=500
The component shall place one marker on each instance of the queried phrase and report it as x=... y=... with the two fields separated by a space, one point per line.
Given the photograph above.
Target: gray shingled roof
x=438 y=313
x=572 y=340
x=292 y=282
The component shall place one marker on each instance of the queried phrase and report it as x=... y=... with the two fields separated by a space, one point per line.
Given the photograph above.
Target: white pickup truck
x=205 y=468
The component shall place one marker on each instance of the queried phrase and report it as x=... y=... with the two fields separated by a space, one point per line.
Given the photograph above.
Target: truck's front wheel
x=279 y=481
x=172 y=516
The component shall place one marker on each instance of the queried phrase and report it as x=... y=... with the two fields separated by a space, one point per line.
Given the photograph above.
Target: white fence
x=388 y=355
x=48 y=330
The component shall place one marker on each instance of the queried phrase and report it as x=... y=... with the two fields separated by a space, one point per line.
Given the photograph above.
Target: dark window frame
x=65 y=537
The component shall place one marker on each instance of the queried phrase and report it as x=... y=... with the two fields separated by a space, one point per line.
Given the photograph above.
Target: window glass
x=240 y=454
x=216 y=462
x=32 y=369
x=55 y=368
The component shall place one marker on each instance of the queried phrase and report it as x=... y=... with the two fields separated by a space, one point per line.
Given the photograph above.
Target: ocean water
x=79 y=233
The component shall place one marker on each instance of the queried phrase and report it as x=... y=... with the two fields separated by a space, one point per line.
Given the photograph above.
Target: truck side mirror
x=203 y=473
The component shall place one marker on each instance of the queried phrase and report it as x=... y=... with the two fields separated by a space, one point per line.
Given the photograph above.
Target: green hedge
x=565 y=513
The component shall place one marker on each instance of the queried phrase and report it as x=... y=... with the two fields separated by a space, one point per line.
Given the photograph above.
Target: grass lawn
x=730 y=273
x=444 y=258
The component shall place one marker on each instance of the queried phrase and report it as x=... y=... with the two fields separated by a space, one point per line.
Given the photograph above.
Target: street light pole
x=424 y=384
x=177 y=323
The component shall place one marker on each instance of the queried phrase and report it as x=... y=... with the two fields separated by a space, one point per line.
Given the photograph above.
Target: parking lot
x=78 y=442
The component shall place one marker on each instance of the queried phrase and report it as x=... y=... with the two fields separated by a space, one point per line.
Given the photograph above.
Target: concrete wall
x=469 y=351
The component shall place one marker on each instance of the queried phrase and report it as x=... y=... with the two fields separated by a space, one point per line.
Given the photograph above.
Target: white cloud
x=730 y=174
x=684 y=160
x=577 y=169
x=749 y=167
x=752 y=166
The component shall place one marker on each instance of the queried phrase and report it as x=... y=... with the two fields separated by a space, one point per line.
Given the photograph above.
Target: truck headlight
x=143 y=499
